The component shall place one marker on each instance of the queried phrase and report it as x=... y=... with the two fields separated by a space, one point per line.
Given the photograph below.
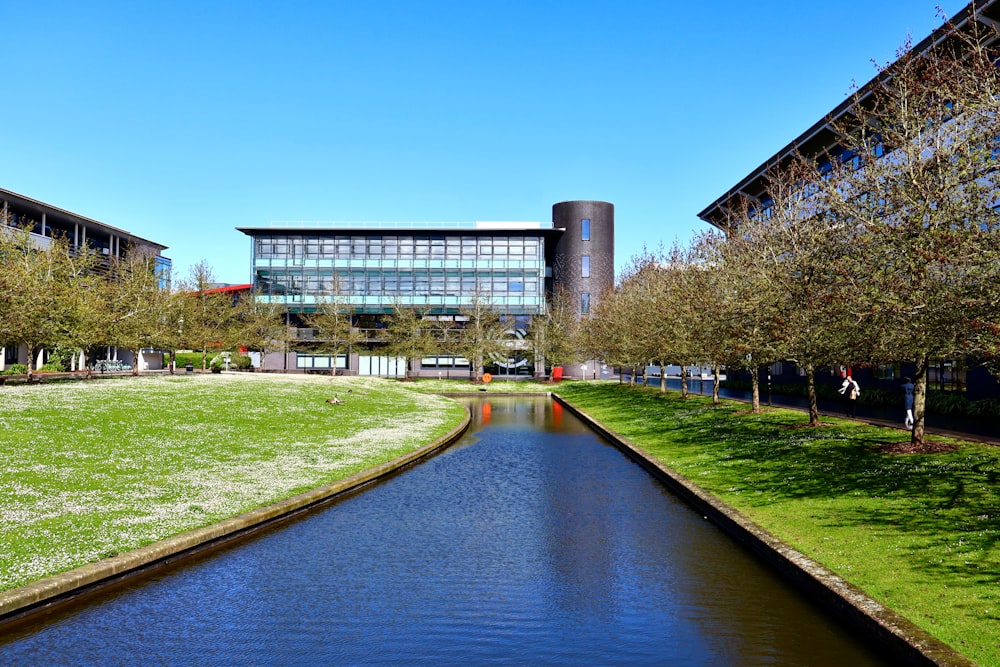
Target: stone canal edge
x=46 y=594
x=897 y=635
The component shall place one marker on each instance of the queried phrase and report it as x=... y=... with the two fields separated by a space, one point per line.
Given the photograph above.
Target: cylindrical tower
x=584 y=258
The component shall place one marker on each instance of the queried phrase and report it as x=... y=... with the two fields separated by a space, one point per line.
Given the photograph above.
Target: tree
x=38 y=281
x=802 y=248
x=333 y=330
x=673 y=317
x=747 y=295
x=87 y=325
x=711 y=306
x=613 y=332
x=482 y=334
x=555 y=333
x=137 y=305
x=209 y=316
x=412 y=334
x=915 y=180
x=261 y=324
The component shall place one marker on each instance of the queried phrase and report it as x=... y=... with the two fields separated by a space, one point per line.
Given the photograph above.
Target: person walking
x=850 y=391
x=908 y=402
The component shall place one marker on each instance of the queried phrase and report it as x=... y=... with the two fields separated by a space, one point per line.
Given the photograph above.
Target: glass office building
x=439 y=268
x=372 y=272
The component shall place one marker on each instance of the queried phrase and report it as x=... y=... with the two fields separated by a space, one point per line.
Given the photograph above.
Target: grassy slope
x=918 y=532
x=91 y=469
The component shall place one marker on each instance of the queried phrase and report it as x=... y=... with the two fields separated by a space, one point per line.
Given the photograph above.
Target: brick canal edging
x=906 y=642
x=43 y=595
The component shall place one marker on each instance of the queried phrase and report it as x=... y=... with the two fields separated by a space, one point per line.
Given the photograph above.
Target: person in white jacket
x=850 y=390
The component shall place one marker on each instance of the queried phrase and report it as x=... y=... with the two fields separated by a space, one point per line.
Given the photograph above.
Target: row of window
x=389 y=284
x=403 y=246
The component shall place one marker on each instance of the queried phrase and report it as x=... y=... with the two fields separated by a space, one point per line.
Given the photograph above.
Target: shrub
x=185 y=358
x=16 y=369
x=52 y=367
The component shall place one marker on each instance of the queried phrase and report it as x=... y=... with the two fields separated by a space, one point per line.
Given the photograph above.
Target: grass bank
x=919 y=533
x=91 y=469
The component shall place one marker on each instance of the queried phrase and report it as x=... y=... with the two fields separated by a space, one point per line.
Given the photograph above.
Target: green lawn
x=918 y=532
x=89 y=469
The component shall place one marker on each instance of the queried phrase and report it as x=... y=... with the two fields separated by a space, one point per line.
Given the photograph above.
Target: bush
x=16 y=369
x=52 y=367
x=185 y=358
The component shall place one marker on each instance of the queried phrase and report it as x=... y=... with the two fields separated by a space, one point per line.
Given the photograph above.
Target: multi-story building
x=439 y=268
x=823 y=139
x=47 y=222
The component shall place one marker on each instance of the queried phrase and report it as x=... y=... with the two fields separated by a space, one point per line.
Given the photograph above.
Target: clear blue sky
x=181 y=121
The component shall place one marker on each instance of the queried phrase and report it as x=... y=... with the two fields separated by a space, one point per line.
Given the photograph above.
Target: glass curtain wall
x=374 y=272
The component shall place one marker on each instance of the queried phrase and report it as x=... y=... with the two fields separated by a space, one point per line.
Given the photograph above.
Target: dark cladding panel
x=589 y=231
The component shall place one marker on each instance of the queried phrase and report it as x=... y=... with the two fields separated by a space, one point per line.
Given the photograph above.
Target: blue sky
x=181 y=121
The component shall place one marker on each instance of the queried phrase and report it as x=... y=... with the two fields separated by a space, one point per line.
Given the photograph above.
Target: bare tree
x=915 y=179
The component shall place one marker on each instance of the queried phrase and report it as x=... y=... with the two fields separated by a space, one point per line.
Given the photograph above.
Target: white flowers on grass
x=88 y=469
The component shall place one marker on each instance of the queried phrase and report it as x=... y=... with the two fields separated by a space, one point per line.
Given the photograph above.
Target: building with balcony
x=438 y=268
x=46 y=222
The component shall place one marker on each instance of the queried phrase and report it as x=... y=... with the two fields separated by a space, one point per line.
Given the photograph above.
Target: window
x=585 y=229
x=585 y=266
x=585 y=303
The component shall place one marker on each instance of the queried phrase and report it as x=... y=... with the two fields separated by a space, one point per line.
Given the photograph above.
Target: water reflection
x=530 y=542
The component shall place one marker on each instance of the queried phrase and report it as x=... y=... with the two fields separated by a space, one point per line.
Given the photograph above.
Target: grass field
x=90 y=469
x=918 y=532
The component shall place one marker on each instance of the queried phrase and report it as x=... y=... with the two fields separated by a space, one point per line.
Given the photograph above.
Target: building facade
x=47 y=222
x=439 y=268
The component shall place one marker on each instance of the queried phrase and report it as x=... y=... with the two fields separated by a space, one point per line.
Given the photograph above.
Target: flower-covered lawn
x=90 y=469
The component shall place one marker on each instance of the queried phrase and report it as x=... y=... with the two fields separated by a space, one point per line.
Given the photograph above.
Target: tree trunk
x=919 y=401
x=755 y=389
x=684 y=382
x=31 y=360
x=663 y=379
x=715 y=385
x=811 y=389
x=135 y=363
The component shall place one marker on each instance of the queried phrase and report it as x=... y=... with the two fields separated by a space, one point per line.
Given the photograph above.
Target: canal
x=531 y=541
